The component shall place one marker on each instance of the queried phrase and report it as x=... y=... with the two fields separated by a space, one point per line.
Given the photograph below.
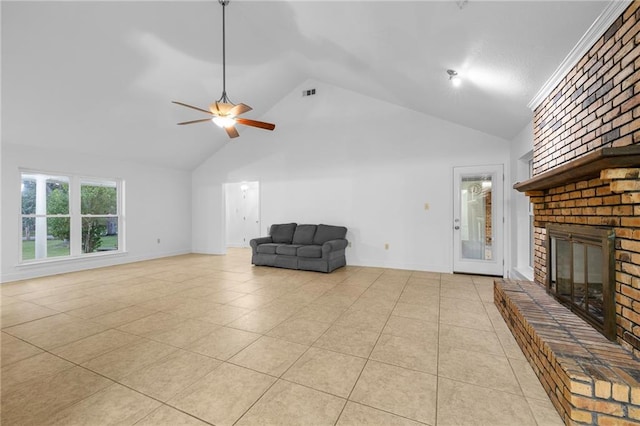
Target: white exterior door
x=478 y=222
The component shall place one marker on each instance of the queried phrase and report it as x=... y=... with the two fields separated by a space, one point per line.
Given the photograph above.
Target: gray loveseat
x=307 y=247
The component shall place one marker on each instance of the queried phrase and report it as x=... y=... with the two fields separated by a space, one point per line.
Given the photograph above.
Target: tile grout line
x=280 y=377
x=438 y=352
x=372 y=348
x=264 y=333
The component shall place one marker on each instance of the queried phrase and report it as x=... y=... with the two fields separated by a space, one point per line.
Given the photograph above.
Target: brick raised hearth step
x=589 y=379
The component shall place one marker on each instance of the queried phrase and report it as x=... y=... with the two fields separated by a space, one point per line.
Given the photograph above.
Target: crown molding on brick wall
x=608 y=16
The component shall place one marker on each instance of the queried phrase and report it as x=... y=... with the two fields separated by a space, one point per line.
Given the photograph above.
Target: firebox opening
x=581 y=273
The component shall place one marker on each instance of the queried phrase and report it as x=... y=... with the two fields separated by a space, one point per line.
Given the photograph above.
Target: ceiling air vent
x=309 y=92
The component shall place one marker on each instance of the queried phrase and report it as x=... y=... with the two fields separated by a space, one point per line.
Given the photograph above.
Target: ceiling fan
x=225 y=113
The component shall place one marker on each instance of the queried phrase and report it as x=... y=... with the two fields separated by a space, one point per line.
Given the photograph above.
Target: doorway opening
x=242 y=204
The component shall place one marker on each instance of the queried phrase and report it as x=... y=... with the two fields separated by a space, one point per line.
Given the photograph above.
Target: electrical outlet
x=386 y=246
x=349 y=244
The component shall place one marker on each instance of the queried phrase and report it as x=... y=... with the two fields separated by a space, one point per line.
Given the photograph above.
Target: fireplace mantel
x=583 y=168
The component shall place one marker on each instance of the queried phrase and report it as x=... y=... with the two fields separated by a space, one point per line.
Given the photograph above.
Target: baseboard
x=80 y=264
x=403 y=266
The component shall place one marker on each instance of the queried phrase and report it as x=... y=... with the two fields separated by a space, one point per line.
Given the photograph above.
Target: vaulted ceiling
x=98 y=76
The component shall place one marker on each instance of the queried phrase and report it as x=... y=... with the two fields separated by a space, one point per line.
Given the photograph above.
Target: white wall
x=342 y=158
x=157 y=203
x=521 y=149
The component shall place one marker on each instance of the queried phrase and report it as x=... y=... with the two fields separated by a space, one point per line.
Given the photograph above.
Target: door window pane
x=579 y=282
x=563 y=268
x=595 y=284
x=476 y=227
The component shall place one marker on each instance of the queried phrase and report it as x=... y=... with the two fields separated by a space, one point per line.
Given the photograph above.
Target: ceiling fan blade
x=232 y=132
x=202 y=120
x=239 y=109
x=254 y=123
x=191 y=106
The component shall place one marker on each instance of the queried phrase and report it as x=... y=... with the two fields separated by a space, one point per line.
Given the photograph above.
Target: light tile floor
x=200 y=340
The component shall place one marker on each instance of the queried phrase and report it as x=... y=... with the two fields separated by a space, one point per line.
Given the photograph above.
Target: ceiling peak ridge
x=608 y=16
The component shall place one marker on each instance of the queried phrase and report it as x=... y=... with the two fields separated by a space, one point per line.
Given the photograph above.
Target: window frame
x=524 y=238
x=75 y=216
x=532 y=228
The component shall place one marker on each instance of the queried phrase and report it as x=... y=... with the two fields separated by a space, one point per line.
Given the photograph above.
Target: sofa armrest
x=334 y=245
x=254 y=243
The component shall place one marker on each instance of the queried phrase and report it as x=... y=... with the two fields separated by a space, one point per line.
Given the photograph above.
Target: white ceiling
x=98 y=77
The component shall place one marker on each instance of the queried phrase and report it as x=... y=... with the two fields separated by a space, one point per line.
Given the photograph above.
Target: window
x=68 y=216
x=45 y=216
x=99 y=212
x=523 y=223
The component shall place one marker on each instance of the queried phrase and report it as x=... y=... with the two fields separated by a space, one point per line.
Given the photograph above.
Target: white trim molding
x=608 y=16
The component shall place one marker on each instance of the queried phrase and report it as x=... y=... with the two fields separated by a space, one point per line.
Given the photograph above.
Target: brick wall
x=596 y=105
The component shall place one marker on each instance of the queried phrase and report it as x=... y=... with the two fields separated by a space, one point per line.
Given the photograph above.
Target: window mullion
x=76 y=219
x=120 y=212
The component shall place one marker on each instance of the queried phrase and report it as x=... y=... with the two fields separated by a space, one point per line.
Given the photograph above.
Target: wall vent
x=309 y=92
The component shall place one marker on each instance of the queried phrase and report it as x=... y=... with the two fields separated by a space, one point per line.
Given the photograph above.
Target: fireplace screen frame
x=587 y=236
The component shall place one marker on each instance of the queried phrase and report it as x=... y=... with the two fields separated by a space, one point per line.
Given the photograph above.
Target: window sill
x=69 y=259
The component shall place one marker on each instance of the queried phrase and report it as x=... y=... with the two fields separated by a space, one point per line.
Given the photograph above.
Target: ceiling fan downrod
x=223 y=112
x=224 y=98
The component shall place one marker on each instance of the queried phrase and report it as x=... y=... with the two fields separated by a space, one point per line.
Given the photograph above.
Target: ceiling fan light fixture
x=454 y=78
x=224 y=121
x=224 y=112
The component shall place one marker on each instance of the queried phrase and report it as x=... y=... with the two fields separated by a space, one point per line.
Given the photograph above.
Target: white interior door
x=251 y=211
x=478 y=222
x=242 y=201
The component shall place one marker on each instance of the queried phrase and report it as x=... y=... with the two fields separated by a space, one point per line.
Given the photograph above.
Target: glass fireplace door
x=581 y=272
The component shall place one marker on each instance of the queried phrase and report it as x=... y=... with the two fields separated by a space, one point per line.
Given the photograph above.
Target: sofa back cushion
x=282 y=233
x=304 y=234
x=326 y=233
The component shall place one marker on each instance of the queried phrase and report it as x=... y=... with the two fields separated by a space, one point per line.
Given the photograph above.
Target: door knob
x=456 y=227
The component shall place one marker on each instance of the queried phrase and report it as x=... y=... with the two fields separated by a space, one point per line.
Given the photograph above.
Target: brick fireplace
x=600 y=190
x=586 y=175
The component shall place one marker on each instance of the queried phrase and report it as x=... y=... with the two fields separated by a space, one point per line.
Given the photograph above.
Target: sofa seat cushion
x=304 y=234
x=268 y=248
x=326 y=233
x=310 y=251
x=282 y=233
x=288 y=249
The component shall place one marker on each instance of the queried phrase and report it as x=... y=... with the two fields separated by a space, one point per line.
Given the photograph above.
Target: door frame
x=495 y=266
